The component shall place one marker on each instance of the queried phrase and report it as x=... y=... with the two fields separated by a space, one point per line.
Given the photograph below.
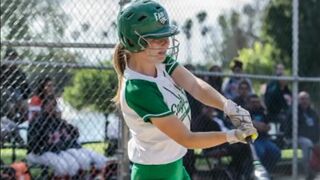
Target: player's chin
x=161 y=58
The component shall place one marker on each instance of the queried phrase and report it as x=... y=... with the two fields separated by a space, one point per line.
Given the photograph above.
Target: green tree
x=233 y=36
x=92 y=89
x=186 y=28
x=259 y=60
x=277 y=29
x=204 y=29
x=36 y=20
x=239 y=30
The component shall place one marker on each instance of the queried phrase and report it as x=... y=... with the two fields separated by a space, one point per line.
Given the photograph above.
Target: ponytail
x=120 y=57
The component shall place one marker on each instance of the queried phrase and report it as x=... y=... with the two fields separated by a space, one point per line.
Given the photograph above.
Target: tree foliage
x=234 y=37
x=92 y=89
x=277 y=29
x=239 y=29
x=36 y=20
x=187 y=29
x=259 y=59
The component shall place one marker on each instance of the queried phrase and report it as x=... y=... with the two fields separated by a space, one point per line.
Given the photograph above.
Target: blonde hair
x=120 y=57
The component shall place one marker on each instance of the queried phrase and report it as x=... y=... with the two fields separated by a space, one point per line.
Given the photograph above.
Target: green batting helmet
x=143 y=19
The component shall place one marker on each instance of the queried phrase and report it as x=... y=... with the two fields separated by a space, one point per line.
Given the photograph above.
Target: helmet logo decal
x=161 y=17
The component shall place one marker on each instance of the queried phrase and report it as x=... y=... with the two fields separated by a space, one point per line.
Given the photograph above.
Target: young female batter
x=151 y=95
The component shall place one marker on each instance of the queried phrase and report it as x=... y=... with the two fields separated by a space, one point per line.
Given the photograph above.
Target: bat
x=259 y=171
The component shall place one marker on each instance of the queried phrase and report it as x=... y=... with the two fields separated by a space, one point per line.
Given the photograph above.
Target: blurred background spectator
x=242 y=99
x=215 y=81
x=241 y=161
x=14 y=88
x=54 y=143
x=268 y=152
x=308 y=130
x=230 y=86
x=277 y=99
x=45 y=88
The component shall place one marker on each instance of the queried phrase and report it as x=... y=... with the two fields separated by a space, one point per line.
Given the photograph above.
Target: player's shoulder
x=138 y=91
x=139 y=86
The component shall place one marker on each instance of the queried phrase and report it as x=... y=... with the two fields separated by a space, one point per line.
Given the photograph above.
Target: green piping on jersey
x=145 y=99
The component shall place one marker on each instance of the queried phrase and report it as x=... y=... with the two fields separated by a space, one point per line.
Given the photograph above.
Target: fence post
x=295 y=55
x=124 y=163
x=124 y=171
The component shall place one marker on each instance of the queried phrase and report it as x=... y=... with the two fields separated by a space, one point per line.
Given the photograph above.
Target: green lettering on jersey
x=182 y=108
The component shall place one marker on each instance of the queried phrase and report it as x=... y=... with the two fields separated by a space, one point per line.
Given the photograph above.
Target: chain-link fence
x=57 y=84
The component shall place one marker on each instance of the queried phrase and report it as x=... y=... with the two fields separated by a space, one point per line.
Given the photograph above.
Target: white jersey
x=144 y=97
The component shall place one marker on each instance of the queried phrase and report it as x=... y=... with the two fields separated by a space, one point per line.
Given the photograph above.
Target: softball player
x=151 y=95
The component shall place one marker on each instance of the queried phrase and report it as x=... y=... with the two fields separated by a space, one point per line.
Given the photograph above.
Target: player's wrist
x=236 y=135
x=228 y=106
x=231 y=136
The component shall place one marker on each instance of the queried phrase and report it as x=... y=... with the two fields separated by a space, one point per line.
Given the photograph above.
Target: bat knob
x=251 y=138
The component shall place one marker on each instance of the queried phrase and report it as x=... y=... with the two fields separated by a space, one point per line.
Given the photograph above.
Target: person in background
x=45 y=88
x=268 y=152
x=230 y=86
x=210 y=120
x=244 y=93
x=151 y=95
x=308 y=131
x=279 y=69
x=277 y=98
x=14 y=88
x=53 y=142
x=215 y=81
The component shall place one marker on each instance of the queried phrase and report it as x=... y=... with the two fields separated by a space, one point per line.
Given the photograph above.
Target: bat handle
x=252 y=148
x=249 y=140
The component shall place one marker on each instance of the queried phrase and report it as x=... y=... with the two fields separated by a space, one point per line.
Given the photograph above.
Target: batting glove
x=237 y=135
x=239 y=117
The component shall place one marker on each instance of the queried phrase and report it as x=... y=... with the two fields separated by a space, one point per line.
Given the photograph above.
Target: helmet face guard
x=144 y=19
x=173 y=49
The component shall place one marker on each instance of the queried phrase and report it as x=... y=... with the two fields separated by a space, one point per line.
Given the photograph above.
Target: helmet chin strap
x=172 y=51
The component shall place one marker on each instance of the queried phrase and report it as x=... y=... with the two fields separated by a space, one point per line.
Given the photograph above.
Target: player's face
x=157 y=48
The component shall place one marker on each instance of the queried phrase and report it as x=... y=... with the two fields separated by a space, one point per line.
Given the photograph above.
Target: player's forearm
x=206 y=94
x=203 y=139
